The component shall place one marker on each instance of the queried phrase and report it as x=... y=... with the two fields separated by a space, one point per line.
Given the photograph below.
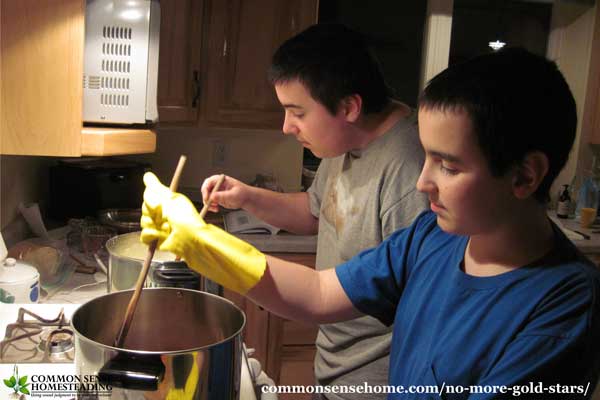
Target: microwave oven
x=120 y=71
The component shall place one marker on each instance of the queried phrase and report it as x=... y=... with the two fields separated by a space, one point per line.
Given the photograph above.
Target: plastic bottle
x=574 y=194
x=564 y=203
x=588 y=195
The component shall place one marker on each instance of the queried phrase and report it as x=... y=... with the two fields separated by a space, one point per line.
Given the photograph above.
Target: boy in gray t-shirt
x=337 y=105
x=360 y=198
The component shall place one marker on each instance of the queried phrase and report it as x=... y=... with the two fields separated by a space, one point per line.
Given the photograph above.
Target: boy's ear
x=530 y=174
x=351 y=106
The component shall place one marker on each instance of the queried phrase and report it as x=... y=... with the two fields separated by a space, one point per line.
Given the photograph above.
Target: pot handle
x=135 y=373
x=174 y=276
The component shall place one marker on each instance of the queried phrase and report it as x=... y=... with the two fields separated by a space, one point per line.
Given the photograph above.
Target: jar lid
x=13 y=271
x=3 y=251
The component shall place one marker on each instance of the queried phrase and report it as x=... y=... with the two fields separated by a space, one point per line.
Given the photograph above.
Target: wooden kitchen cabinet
x=591 y=113
x=179 y=60
x=284 y=348
x=41 y=71
x=214 y=70
x=242 y=36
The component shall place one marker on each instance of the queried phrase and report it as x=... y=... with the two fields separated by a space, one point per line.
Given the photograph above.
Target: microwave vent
x=123 y=67
x=116 y=49
x=114 y=83
x=91 y=82
x=116 y=32
x=114 y=100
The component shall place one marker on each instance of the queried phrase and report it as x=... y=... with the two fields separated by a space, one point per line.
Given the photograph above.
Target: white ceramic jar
x=19 y=282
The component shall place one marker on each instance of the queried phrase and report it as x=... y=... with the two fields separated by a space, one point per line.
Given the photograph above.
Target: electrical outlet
x=219 y=153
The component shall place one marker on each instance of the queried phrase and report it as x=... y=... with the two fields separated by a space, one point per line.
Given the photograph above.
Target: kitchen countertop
x=80 y=288
x=587 y=246
x=282 y=242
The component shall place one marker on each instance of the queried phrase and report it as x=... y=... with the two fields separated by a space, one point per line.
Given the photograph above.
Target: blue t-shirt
x=537 y=323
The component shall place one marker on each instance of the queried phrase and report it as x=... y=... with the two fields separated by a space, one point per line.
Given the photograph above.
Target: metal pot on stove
x=182 y=344
x=127 y=255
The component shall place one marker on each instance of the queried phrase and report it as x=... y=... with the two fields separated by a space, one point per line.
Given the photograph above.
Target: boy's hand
x=172 y=219
x=232 y=193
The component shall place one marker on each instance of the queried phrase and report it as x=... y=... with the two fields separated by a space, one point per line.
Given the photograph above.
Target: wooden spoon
x=146 y=266
x=210 y=195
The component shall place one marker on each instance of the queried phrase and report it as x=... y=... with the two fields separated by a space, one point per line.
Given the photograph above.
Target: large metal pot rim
x=143 y=352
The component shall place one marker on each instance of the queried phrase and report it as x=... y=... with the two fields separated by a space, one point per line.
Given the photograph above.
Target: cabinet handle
x=196 y=88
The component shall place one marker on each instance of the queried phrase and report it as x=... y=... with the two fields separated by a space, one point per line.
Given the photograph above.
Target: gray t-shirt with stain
x=360 y=198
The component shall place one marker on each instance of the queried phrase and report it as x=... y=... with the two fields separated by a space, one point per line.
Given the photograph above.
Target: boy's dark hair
x=333 y=62
x=518 y=102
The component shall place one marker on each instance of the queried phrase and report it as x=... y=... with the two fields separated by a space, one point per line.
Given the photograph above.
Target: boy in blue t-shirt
x=487 y=296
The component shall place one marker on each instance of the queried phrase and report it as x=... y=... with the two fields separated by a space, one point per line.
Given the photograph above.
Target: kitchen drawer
x=297 y=369
x=298 y=333
x=294 y=332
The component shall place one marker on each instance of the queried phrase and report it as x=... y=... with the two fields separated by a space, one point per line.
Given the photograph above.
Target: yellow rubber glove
x=172 y=219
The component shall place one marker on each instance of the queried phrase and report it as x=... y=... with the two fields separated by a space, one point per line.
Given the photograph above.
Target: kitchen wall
x=569 y=44
x=22 y=179
x=395 y=32
x=247 y=153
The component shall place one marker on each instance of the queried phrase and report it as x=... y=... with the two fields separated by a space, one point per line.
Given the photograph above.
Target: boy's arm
x=297 y=292
x=286 y=288
x=288 y=211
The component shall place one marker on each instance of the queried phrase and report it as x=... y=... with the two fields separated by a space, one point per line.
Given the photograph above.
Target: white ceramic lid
x=3 y=251
x=13 y=271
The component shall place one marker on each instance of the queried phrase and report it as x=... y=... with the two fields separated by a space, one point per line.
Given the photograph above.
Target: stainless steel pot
x=182 y=344
x=127 y=256
x=125 y=262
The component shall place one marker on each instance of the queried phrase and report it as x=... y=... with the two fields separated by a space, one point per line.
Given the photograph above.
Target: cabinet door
x=41 y=70
x=242 y=35
x=179 y=60
x=590 y=120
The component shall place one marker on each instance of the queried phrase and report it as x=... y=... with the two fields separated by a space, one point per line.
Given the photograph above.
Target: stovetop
x=36 y=333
